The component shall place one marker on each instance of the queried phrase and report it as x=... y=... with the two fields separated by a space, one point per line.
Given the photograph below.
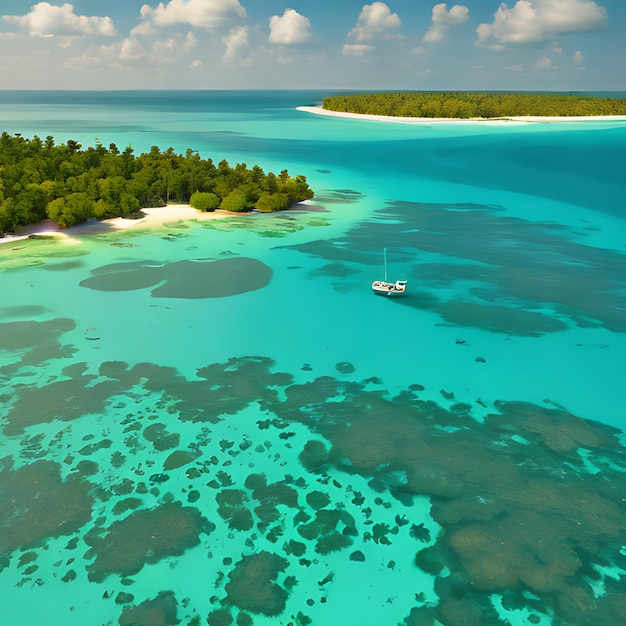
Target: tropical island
x=70 y=185
x=470 y=105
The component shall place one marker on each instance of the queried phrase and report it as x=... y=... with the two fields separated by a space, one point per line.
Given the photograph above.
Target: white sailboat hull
x=382 y=288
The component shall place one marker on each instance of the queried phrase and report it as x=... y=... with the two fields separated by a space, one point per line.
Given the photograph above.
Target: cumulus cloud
x=291 y=28
x=207 y=14
x=47 y=20
x=578 y=57
x=145 y=29
x=357 y=50
x=531 y=21
x=444 y=19
x=131 y=50
x=237 y=45
x=375 y=20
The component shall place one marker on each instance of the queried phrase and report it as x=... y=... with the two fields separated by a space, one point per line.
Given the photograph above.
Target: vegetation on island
x=466 y=105
x=68 y=184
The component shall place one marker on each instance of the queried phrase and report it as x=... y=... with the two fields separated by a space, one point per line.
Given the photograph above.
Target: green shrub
x=204 y=201
x=235 y=201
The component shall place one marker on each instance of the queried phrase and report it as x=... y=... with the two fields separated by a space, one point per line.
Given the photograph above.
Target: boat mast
x=385 y=255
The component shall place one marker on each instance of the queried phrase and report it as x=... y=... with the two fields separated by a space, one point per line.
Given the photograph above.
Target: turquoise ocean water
x=219 y=421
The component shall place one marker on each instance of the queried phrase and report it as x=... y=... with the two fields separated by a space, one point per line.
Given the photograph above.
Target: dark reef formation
x=529 y=500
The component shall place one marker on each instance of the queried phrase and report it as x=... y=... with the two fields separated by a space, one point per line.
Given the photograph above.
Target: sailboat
x=385 y=288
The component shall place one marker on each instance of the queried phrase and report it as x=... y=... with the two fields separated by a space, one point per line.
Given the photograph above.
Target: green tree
x=69 y=183
x=235 y=201
x=103 y=210
x=269 y=202
x=110 y=189
x=129 y=204
x=296 y=188
x=204 y=201
x=71 y=210
x=30 y=204
x=8 y=217
x=469 y=104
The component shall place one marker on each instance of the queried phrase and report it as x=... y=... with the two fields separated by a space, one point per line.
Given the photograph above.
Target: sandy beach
x=152 y=217
x=446 y=120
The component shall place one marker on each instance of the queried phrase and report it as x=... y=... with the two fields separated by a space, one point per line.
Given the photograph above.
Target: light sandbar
x=501 y=121
x=157 y=216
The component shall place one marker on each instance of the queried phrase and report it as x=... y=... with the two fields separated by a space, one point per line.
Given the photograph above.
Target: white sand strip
x=505 y=121
x=153 y=217
x=157 y=217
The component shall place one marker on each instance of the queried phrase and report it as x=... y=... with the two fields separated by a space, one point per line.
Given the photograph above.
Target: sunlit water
x=219 y=420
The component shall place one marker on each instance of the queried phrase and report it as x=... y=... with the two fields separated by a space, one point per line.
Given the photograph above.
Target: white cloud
x=357 y=50
x=237 y=45
x=124 y=53
x=47 y=20
x=195 y=64
x=291 y=28
x=190 y=42
x=531 y=21
x=545 y=63
x=514 y=68
x=145 y=29
x=131 y=50
x=199 y=13
x=578 y=57
x=375 y=20
x=444 y=19
x=163 y=51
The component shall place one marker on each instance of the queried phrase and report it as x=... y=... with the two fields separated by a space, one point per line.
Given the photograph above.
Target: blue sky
x=328 y=44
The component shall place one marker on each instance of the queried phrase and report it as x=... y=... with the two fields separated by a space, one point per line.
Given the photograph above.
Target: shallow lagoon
x=295 y=448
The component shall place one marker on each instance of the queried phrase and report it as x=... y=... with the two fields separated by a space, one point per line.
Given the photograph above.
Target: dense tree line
x=39 y=180
x=465 y=105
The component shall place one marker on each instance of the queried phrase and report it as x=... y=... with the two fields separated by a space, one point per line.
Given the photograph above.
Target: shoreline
x=502 y=121
x=157 y=216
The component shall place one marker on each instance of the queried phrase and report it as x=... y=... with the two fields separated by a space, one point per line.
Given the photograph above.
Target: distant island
x=69 y=185
x=469 y=105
